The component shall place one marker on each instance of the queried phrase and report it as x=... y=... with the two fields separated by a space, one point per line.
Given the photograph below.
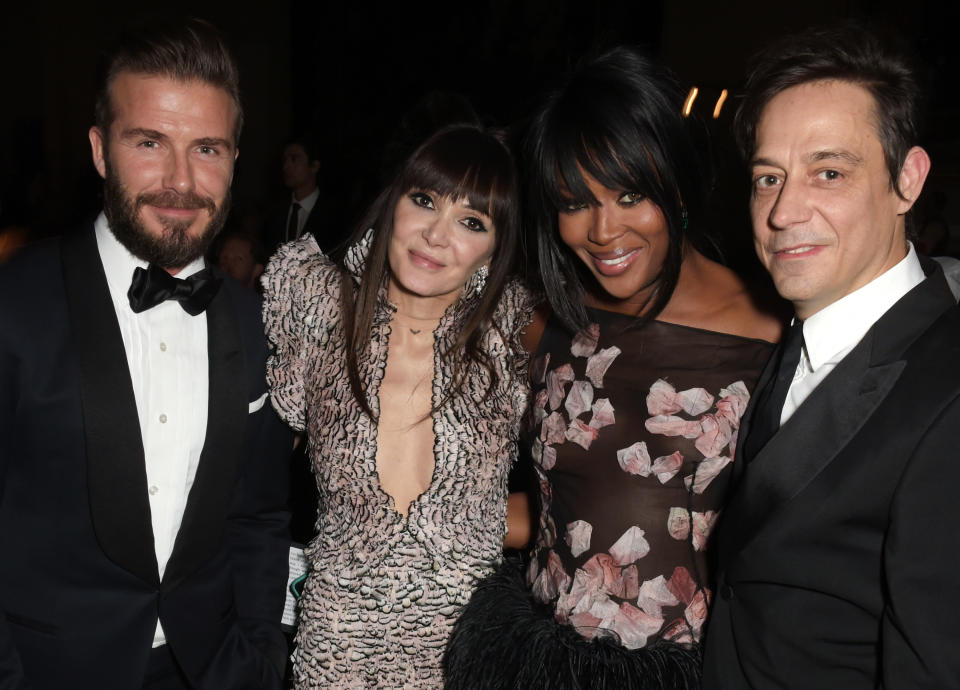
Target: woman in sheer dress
x=643 y=363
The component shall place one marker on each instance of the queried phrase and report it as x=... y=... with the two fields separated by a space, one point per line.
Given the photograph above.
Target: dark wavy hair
x=184 y=50
x=462 y=161
x=849 y=53
x=617 y=118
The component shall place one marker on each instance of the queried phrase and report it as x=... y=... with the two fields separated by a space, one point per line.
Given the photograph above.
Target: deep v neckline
x=389 y=500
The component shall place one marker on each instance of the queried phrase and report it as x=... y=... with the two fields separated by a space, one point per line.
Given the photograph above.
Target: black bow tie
x=153 y=285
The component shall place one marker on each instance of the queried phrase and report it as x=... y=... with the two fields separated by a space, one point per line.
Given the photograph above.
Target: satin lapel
x=116 y=472
x=746 y=422
x=201 y=530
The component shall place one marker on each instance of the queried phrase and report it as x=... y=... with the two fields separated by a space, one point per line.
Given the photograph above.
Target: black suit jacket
x=840 y=548
x=79 y=588
x=276 y=231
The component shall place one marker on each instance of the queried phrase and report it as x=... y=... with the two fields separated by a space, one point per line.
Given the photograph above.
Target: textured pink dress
x=384 y=590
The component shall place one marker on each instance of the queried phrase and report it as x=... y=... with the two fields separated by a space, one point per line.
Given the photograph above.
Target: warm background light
x=719 y=106
x=688 y=104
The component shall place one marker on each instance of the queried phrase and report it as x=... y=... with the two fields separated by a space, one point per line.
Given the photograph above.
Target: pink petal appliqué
x=736 y=389
x=696 y=611
x=602 y=414
x=549 y=458
x=630 y=580
x=630 y=547
x=557 y=379
x=599 y=362
x=604 y=608
x=702 y=526
x=635 y=459
x=602 y=568
x=580 y=594
x=666 y=466
x=707 y=471
x=585 y=342
x=554 y=428
x=671 y=425
x=731 y=409
x=678 y=523
x=552 y=579
x=696 y=401
x=654 y=595
x=579 y=399
x=581 y=434
x=663 y=399
x=634 y=626
x=715 y=436
x=681 y=585
x=578 y=536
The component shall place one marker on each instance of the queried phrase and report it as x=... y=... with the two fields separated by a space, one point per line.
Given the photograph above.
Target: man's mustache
x=168 y=199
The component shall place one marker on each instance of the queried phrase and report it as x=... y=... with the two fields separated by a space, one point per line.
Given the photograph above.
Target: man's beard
x=174 y=247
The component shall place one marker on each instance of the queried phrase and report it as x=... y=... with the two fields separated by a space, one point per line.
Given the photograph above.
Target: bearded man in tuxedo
x=143 y=519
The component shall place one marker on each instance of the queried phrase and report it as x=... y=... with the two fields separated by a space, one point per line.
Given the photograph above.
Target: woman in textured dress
x=402 y=363
x=644 y=362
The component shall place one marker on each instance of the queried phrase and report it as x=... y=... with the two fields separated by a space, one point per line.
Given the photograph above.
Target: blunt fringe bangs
x=185 y=50
x=850 y=53
x=460 y=162
x=618 y=119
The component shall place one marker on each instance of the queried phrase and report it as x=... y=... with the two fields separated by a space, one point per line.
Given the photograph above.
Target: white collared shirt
x=167 y=357
x=831 y=333
x=306 y=206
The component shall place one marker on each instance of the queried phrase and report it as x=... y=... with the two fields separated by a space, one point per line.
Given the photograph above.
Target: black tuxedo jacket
x=839 y=550
x=79 y=588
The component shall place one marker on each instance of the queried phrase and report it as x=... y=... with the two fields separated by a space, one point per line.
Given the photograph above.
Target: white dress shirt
x=306 y=206
x=831 y=333
x=167 y=357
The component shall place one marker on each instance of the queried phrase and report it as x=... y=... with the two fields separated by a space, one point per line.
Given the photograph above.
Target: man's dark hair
x=186 y=50
x=309 y=143
x=847 y=53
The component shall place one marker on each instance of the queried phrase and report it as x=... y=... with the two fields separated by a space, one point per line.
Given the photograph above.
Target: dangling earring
x=479 y=279
x=684 y=219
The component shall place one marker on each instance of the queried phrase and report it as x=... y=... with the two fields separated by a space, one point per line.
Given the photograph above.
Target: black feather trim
x=504 y=640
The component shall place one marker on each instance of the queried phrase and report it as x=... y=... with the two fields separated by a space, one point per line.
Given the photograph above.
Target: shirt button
x=163 y=419
x=154 y=490
x=163 y=347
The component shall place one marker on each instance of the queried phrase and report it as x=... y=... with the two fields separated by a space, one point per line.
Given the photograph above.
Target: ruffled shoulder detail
x=301 y=288
x=513 y=314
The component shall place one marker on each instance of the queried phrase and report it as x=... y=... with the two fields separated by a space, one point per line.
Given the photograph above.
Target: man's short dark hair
x=846 y=53
x=309 y=143
x=185 y=50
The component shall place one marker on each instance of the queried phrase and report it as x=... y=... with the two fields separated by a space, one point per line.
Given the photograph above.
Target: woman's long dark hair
x=460 y=162
x=617 y=118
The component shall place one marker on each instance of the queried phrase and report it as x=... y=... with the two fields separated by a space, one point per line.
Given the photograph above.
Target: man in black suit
x=839 y=548
x=143 y=520
x=300 y=214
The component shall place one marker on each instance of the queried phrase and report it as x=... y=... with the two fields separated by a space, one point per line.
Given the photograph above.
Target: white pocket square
x=257 y=404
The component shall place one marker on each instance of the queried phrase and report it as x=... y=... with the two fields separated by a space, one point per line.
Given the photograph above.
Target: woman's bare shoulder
x=713 y=297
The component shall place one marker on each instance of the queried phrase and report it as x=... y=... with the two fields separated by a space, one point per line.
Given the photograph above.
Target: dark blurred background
x=371 y=78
